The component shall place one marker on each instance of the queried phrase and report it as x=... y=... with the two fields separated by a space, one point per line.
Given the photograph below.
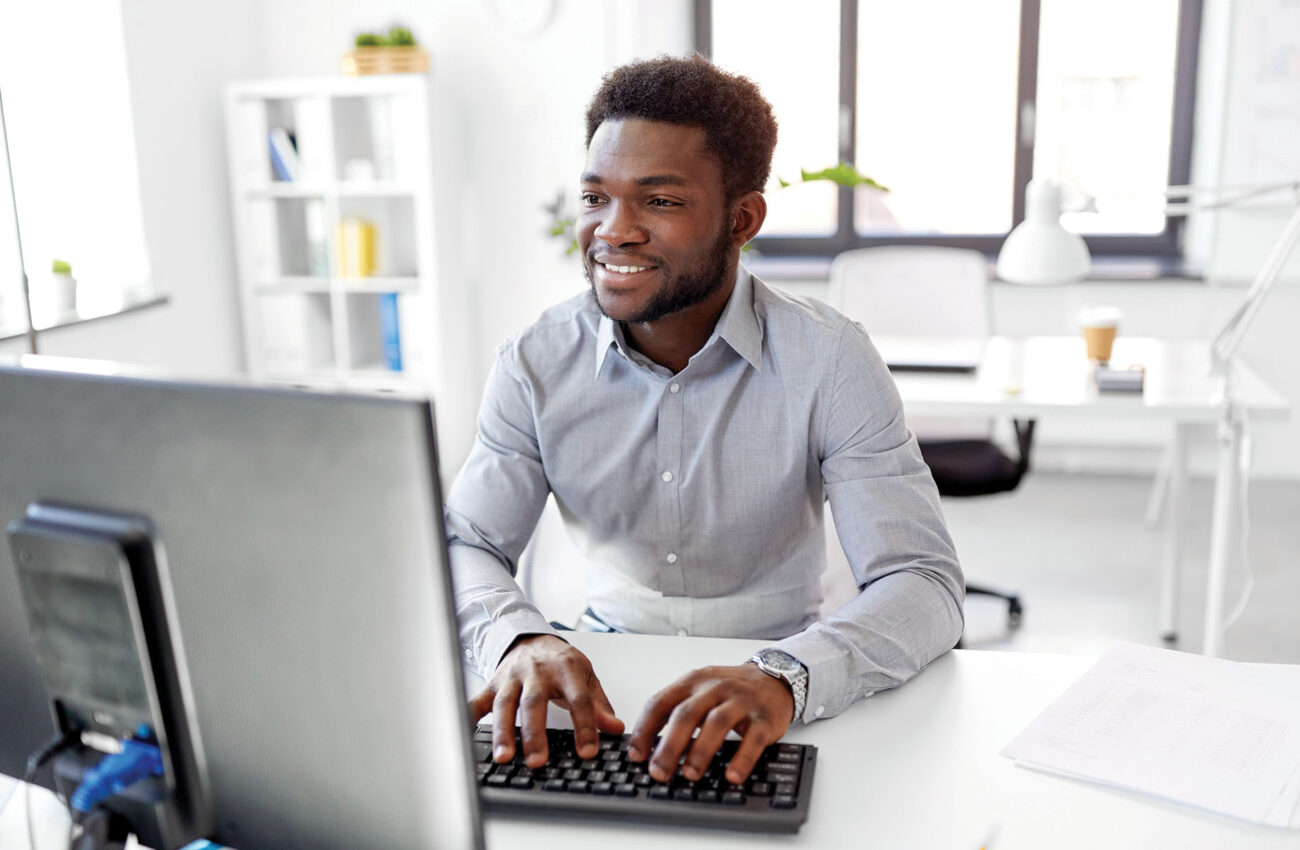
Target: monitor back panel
x=303 y=536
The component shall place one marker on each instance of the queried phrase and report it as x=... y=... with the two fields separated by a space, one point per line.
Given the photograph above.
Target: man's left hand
x=714 y=700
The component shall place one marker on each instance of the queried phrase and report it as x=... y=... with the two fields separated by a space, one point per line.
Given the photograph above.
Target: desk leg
x=1175 y=500
x=1227 y=492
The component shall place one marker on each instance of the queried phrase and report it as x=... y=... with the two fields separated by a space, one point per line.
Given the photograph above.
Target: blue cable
x=116 y=772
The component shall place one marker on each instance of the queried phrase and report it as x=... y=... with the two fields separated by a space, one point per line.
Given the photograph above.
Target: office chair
x=928 y=291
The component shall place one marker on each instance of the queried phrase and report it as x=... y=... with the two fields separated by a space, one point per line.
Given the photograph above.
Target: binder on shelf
x=356 y=247
x=284 y=155
x=389 y=331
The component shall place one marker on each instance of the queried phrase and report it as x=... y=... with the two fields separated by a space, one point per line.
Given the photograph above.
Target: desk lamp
x=1039 y=250
x=18 y=240
x=1035 y=252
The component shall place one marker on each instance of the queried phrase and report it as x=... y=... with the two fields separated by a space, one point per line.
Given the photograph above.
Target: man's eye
x=590 y=199
x=663 y=202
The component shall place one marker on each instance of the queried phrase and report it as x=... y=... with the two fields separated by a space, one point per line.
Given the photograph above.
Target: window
x=954 y=105
x=72 y=146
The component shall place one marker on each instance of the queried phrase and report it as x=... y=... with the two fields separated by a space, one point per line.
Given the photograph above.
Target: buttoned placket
x=668 y=458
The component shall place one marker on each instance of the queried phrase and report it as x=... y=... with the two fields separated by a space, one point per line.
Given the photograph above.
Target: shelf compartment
x=295 y=333
x=395 y=239
x=288 y=238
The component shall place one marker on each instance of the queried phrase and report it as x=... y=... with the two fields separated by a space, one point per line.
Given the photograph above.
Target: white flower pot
x=63 y=293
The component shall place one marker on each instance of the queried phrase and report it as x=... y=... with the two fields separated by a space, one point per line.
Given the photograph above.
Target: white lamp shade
x=1040 y=250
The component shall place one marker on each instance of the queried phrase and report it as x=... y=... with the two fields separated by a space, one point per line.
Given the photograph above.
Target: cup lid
x=1100 y=316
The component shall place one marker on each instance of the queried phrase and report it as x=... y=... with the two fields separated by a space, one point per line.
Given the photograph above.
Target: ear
x=747 y=215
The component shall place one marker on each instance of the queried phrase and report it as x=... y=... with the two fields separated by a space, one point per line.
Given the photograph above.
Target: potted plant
x=63 y=287
x=394 y=52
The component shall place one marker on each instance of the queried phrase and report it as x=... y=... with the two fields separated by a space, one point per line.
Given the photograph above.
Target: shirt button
x=672 y=558
x=821 y=709
x=683 y=633
x=667 y=476
x=674 y=388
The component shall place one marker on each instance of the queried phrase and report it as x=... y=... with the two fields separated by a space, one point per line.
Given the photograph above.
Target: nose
x=620 y=225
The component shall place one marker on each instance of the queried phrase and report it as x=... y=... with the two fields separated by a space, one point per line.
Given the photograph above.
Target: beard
x=681 y=290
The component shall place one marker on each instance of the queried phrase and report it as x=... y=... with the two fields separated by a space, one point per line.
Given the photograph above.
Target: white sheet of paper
x=1217 y=734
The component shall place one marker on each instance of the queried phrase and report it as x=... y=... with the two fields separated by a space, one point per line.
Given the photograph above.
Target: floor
x=1075 y=549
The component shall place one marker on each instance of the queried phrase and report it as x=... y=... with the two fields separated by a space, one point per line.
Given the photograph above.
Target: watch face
x=780 y=661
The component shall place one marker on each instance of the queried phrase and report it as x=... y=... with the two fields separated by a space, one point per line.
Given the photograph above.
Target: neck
x=673 y=340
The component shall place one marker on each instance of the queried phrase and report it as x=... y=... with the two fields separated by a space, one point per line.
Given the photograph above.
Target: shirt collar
x=737 y=326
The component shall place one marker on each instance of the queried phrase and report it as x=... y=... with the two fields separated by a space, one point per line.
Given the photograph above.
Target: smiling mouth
x=626 y=269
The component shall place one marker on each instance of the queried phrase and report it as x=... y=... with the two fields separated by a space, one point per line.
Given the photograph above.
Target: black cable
x=35 y=761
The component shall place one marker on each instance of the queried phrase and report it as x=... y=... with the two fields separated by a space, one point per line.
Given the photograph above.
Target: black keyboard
x=773 y=799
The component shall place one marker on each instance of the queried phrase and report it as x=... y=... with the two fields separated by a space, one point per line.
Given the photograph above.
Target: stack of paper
x=1221 y=735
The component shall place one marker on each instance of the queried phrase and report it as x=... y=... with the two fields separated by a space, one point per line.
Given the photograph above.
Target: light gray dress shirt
x=697 y=497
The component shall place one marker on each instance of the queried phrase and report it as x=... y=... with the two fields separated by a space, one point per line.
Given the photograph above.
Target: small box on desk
x=1128 y=380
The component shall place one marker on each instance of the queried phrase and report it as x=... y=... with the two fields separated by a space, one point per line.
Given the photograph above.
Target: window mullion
x=845 y=235
x=1026 y=106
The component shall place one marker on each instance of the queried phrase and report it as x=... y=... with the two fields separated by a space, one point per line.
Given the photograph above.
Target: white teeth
x=627 y=269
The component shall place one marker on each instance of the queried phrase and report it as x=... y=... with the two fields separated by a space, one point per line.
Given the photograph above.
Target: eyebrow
x=653 y=180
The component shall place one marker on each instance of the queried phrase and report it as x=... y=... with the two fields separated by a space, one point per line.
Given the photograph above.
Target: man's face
x=653 y=221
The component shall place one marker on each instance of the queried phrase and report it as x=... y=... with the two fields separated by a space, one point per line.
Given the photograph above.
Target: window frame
x=1164 y=245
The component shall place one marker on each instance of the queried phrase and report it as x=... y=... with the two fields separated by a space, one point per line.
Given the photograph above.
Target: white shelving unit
x=364 y=150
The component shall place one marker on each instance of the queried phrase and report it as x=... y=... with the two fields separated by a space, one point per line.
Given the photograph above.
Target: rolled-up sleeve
x=887 y=513
x=490 y=514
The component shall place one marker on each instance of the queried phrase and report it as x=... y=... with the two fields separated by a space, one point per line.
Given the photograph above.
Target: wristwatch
x=780 y=664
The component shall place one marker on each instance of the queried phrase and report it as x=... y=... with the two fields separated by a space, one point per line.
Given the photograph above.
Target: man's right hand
x=536 y=671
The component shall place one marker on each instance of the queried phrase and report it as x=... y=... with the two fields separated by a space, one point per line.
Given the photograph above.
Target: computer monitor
x=304 y=541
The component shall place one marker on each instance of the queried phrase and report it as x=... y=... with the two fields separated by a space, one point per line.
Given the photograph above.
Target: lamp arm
x=18 y=233
x=1229 y=338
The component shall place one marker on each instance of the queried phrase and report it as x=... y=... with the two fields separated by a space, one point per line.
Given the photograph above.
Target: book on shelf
x=389 y=331
x=284 y=154
x=355 y=247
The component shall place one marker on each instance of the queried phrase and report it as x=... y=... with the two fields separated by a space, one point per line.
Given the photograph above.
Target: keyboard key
x=684 y=793
x=761 y=789
x=782 y=767
x=579 y=786
x=792 y=756
x=785 y=789
x=620 y=777
x=482 y=751
x=566 y=764
x=605 y=788
x=625 y=789
x=588 y=764
x=659 y=792
x=783 y=801
x=708 y=796
x=555 y=785
x=642 y=780
x=498 y=780
x=573 y=773
x=521 y=782
x=597 y=776
x=733 y=798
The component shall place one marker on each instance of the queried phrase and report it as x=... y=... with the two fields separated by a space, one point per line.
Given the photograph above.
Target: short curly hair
x=738 y=124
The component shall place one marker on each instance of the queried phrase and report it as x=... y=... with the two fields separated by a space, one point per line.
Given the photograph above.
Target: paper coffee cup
x=1099 y=325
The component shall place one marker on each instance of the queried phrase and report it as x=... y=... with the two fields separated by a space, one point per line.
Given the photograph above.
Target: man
x=691 y=423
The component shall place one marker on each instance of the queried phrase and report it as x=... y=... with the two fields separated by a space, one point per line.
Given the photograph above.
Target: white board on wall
x=1261 y=133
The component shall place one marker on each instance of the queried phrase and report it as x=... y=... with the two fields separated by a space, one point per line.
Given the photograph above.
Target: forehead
x=635 y=149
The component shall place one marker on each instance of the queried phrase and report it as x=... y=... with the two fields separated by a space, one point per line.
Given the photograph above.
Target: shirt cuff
x=504 y=632
x=828 y=667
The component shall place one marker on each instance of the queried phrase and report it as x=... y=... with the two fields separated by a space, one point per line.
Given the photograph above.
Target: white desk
x=915 y=768
x=1041 y=377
